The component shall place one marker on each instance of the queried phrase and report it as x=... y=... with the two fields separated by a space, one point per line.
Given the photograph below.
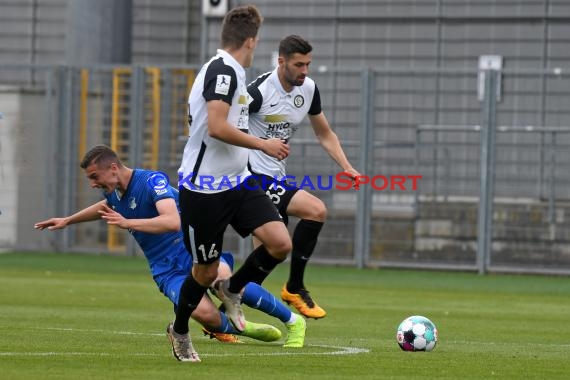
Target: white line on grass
x=98 y=331
x=336 y=350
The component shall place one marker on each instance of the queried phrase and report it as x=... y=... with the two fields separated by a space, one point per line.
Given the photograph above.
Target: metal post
x=435 y=163
x=543 y=92
x=136 y=130
x=72 y=149
x=446 y=172
x=64 y=184
x=542 y=159
x=364 y=198
x=552 y=184
x=136 y=116
x=484 y=235
x=166 y=102
x=417 y=170
x=58 y=128
x=50 y=167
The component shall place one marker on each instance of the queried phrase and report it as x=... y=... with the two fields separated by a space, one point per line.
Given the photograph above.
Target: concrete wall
x=33 y=162
x=24 y=179
x=9 y=176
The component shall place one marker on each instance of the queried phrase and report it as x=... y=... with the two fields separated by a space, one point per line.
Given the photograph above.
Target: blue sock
x=258 y=298
x=226 y=327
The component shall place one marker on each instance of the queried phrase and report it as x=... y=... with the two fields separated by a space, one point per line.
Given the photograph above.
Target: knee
x=205 y=276
x=317 y=211
x=321 y=212
x=280 y=248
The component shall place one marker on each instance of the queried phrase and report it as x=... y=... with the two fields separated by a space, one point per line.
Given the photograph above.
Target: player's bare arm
x=168 y=219
x=219 y=128
x=330 y=142
x=86 y=215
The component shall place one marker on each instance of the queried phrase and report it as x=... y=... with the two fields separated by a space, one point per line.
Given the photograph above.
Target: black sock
x=304 y=242
x=191 y=293
x=256 y=268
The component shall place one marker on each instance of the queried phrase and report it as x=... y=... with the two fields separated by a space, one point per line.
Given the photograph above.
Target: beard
x=298 y=82
x=295 y=81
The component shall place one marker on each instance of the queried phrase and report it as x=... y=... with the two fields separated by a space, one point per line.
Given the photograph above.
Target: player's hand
x=354 y=175
x=353 y=172
x=113 y=217
x=276 y=148
x=51 y=224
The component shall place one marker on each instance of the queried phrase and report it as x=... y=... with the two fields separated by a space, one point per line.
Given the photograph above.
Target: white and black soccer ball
x=417 y=333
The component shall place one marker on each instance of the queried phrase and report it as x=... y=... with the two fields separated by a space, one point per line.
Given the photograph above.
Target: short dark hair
x=100 y=155
x=294 y=44
x=239 y=24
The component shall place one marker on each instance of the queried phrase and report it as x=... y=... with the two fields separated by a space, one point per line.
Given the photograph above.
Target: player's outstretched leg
x=261 y=331
x=182 y=348
x=257 y=331
x=257 y=297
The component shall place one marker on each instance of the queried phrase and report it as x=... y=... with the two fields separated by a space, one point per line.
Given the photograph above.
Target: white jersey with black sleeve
x=210 y=165
x=275 y=113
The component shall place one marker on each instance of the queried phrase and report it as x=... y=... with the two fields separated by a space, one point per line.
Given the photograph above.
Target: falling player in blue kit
x=143 y=202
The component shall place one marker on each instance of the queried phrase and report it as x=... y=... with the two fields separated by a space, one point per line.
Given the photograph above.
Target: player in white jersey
x=214 y=192
x=281 y=100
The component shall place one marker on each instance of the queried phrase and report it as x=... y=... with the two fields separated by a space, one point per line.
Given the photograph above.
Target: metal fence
x=494 y=171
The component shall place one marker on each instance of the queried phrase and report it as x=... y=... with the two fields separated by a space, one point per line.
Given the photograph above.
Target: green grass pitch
x=101 y=317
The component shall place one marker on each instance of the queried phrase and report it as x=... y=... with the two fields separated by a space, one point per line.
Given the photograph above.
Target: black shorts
x=205 y=217
x=279 y=192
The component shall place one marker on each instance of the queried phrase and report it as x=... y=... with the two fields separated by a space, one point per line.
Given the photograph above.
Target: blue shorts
x=174 y=271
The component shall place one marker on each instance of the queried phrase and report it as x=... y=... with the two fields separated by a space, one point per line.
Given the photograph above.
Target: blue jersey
x=167 y=257
x=139 y=202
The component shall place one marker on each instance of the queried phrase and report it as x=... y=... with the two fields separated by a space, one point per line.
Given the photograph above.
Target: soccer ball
x=416 y=333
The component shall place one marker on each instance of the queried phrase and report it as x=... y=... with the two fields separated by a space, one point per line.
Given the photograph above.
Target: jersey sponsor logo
x=223 y=84
x=274 y=118
x=158 y=182
x=278 y=127
x=281 y=131
x=243 y=123
x=132 y=203
x=243 y=120
x=299 y=101
x=273 y=105
x=243 y=99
